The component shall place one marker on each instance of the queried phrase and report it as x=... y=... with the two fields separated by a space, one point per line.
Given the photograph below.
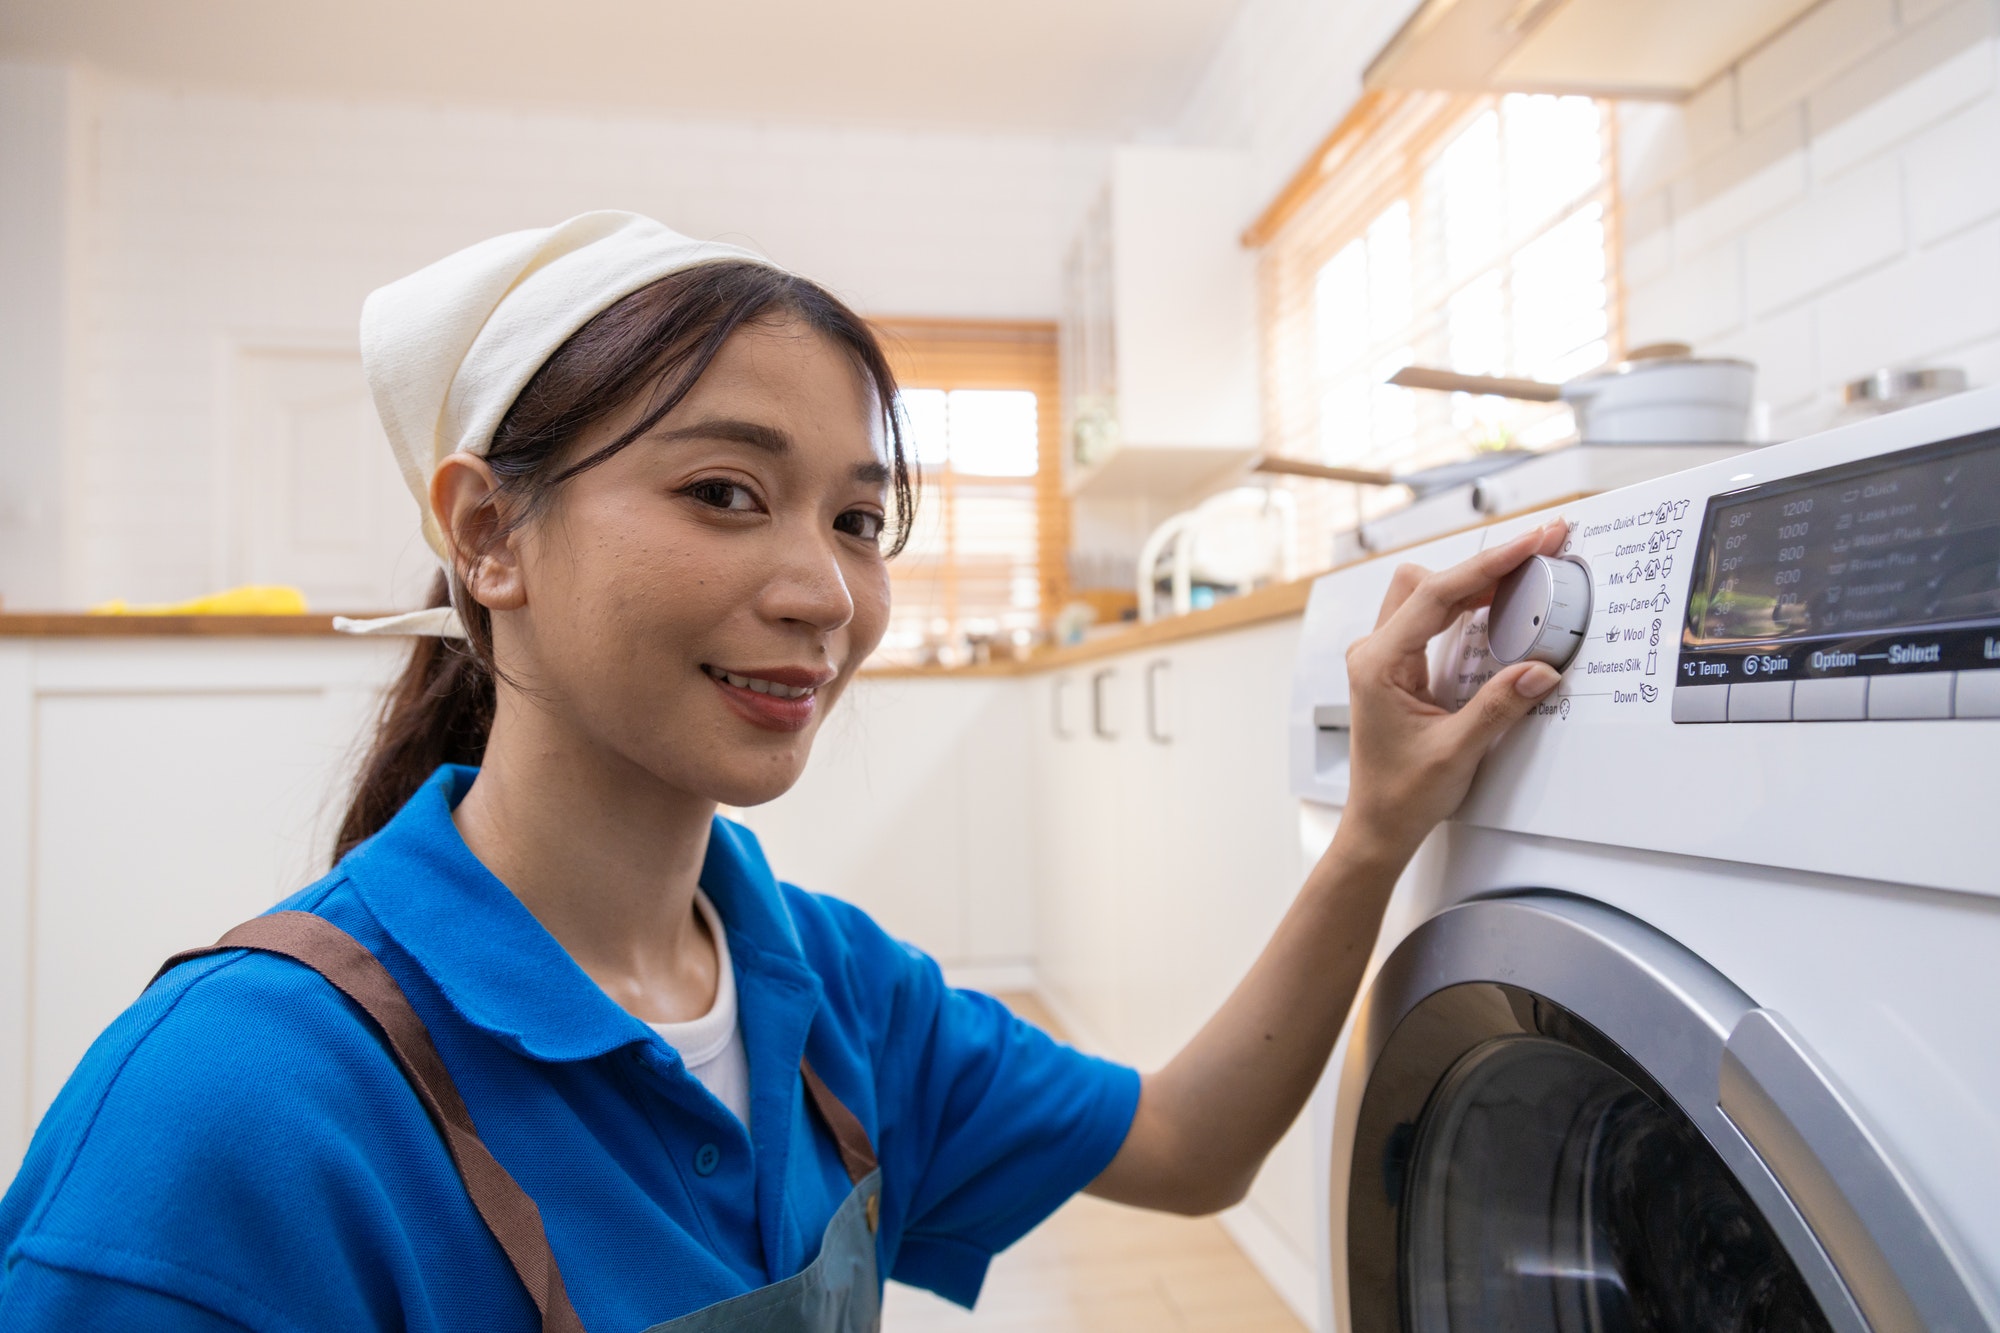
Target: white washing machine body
x=1692 y=1016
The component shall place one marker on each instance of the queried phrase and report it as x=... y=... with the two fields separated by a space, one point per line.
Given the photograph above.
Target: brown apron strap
x=857 y=1154
x=506 y=1208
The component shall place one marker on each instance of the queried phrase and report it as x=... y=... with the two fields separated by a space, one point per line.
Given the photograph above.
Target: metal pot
x=1657 y=395
x=1664 y=401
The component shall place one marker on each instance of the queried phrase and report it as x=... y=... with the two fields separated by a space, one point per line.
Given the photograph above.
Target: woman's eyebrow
x=760 y=436
x=753 y=433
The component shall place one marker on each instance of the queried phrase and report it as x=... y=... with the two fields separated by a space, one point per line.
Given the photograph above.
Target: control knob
x=1540 y=612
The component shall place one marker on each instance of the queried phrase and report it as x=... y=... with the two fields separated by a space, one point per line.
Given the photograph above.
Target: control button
x=1701 y=703
x=1913 y=696
x=1760 y=701
x=1978 y=694
x=1835 y=699
x=706 y=1159
x=1540 y=612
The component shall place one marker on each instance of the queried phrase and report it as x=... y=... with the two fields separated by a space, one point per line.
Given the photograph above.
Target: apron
x=840 y=1291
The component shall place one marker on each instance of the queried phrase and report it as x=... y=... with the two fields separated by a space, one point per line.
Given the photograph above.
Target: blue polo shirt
x=238 y=1150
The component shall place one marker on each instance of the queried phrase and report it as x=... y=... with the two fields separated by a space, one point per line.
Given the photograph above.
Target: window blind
x=982 y=422
x=1475 y=233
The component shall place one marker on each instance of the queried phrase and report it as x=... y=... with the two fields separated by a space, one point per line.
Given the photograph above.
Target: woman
x=550 y=1047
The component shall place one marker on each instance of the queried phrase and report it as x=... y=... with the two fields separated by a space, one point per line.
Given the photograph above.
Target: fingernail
x=1536 y=681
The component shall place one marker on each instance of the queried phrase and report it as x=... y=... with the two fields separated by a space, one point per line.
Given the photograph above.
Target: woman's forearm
x=1207 y=1120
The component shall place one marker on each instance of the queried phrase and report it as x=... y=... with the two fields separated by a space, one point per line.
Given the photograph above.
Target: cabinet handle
x=1097 y=726
x=1154 y=728
x=1057 y=713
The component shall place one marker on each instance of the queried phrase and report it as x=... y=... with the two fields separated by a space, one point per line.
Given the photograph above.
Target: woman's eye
x=860 y=523
x=722 y=495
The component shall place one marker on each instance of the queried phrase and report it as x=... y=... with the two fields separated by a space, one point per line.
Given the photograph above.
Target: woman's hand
x=1412 y=759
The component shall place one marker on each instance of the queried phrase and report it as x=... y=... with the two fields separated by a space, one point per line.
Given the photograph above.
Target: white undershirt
x=712 y=1046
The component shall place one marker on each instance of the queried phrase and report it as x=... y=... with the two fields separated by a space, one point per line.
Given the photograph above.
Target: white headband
x=449 y=348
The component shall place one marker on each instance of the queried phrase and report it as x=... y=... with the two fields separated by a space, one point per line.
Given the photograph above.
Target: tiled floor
x=1096 y=1267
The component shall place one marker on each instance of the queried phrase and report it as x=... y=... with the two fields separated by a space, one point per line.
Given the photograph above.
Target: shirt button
x=706 y=1159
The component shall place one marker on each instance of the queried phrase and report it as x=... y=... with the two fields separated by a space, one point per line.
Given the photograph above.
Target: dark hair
x=658 y=340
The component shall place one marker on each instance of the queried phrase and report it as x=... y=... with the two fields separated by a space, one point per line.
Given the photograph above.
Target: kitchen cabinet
x=155 y=792
x=915 y=808
x=1604 y=48
x=1169 y=849
x=1159 y=331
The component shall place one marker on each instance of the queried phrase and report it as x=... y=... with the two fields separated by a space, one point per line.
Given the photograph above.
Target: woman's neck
x=603 y=855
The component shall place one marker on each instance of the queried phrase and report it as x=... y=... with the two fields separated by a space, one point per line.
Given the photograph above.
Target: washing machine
x=1690 y=1019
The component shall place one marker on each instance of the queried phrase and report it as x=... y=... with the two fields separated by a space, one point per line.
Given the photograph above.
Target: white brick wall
x=1829 y=206
x=216 y=219
x=1800 y=211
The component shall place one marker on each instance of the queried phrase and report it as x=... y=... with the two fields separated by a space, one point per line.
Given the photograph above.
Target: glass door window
x=1550 y=1192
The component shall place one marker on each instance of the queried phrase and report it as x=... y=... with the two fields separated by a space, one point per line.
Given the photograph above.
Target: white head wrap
x=448 y=348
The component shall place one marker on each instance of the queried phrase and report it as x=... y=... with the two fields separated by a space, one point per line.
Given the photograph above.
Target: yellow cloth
x=251 y=600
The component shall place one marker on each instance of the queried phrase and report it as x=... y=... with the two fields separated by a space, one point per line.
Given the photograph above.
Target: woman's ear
x=463 y=500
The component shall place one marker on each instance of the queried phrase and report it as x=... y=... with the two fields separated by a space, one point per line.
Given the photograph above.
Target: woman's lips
x=770 y=708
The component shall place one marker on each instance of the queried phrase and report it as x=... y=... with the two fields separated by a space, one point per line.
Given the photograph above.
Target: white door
x=316 y=498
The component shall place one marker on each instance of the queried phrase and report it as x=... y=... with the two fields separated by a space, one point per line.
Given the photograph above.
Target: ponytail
x=439 y=711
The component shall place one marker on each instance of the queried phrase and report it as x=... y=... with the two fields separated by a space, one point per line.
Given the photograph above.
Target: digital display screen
x=1886 y=565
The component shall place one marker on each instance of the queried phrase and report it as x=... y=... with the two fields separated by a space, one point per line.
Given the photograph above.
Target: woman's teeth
x=770 y=687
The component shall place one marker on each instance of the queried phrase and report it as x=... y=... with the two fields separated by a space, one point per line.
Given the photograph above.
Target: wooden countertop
x=1266 y=604
x=1273 y=603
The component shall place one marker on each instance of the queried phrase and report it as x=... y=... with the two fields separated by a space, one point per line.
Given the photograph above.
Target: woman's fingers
x=1437 y=599
x=1401 y=584
x=1503 y=701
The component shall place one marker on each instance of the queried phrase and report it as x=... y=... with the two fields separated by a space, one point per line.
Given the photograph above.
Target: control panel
x=1612 y=595
x=1868 y=590
x=1715 y=621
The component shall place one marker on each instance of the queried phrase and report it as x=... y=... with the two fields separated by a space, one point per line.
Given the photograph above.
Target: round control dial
x=1540 y=612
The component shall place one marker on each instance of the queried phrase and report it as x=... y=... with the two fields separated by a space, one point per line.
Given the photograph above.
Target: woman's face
x=694 y=605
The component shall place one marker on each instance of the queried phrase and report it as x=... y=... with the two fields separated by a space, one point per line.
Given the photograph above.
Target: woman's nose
x=808 y=584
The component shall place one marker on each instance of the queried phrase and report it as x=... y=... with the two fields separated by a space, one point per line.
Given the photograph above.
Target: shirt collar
x=497 y=965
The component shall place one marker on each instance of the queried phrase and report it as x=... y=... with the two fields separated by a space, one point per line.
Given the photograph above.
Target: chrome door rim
x=1871 y=1254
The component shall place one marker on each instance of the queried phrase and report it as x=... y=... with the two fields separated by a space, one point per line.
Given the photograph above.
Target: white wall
x=1829 y=206
x=41 y=113
x=1283 y=77
x=219 y=222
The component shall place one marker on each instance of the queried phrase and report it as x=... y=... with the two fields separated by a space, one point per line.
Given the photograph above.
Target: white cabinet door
x=1240 y=867
x=915 y=808
x=172 y=789
x=1079 y=887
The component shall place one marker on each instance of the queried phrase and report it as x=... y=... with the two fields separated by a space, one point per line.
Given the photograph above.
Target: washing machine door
x=1571 y=1124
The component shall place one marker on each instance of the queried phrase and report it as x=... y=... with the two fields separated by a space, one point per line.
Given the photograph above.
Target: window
x=1471 y=233
x=985 y=564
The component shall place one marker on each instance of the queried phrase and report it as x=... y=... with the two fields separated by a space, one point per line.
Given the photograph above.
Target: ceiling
x=1094 y=67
